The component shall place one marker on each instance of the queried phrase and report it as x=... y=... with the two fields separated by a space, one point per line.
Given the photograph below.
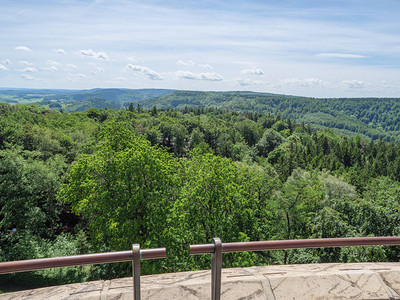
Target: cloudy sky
x=318 y=48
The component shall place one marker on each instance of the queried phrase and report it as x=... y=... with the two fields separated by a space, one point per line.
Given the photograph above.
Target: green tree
x=209 y=198
x=379 y=212
x=196 y=138
x=28 y=190
x=269 y=141
x=298 y=200
x=258 y=183
x=178 y=139
x=124 y=191
x=249 y=130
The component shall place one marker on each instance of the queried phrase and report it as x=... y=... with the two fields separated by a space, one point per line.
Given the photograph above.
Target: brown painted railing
x=134 y=255
x=217 y=248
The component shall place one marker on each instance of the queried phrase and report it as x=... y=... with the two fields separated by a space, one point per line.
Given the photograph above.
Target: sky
x=316 y=48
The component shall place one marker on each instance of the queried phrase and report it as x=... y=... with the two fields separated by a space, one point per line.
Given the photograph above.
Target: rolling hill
x=369 y=117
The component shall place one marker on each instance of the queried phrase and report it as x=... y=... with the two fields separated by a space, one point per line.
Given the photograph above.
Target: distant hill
x=369 y=117
x=120 y=96
x=82 y=105
x=68 y=98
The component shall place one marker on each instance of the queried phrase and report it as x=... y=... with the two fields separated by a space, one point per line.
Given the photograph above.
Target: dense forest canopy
x=369 y=117
x=372 y=118
x=102 y=179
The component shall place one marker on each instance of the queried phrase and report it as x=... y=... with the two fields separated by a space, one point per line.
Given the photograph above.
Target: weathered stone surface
x=90 y=290
x=318 y=281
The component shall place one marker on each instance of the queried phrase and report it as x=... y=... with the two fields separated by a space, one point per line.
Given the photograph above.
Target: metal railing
x=217 y=248
x=134 y=255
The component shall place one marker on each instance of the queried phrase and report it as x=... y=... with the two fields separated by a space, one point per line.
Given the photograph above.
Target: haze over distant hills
x=79 y=100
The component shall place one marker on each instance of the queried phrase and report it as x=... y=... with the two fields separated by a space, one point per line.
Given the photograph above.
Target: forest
x=368 y=117
x=101 y=179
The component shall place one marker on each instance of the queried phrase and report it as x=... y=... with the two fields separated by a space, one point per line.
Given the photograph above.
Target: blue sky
x=312 y=48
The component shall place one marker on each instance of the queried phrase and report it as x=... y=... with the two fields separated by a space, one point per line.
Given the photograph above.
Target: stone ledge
x=312 y=281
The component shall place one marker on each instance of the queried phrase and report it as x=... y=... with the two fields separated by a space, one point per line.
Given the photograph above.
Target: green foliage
x=269 y=141
x=27 y=192
x=209 y=198
x=380 y=209
x=81 y=100
x=28 y=246
x=298 y=199
x=125 y=190
x=369 y=117
x=171 y=178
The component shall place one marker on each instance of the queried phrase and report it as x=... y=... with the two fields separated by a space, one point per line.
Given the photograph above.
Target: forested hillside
x=368 y=117
x=100 y=180
x=372 y=118
x=79 y=100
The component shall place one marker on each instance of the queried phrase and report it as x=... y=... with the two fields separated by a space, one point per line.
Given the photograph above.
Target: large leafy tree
x=124 y=191
x=258 y=184
x=270 y=140
x=210 y=198
x=28 y=190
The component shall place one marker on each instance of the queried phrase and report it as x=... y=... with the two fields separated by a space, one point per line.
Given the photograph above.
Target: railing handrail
x=78 y=260
x=217 y=248
x=134 y=255
x=295 y=244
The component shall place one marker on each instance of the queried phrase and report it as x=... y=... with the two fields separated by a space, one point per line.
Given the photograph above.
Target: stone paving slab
x=298 y=282
x=90 y=290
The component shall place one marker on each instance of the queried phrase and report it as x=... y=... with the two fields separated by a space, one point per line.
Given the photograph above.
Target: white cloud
x=185 y=63
x=354 y=84
x=206 y=66
x=191 y=63
x=253 y=71
x=99 y=70
x=26 y=63
x=72 y=66
x=340 y=55
x=7 y=62
x=28 y=77
x=247 y=82
x=23 y=48
x=30 y=70
x=96 y=55
x=53 y=63
x=81 y=76
x=52 y=69
x=388 y=85
x=199 y=76
x=61 y=51
x=307 y=82
x=153 y=75
x=3 y=68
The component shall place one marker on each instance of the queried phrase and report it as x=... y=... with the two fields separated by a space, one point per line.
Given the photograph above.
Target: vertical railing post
x=136 y=271
x=216 y=266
